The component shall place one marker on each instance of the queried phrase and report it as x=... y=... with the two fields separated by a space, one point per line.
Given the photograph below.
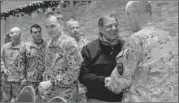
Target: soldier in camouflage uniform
x=32 y=57
x=148 y=59
x=11 y=74
x=62 y=61
x=73 y=30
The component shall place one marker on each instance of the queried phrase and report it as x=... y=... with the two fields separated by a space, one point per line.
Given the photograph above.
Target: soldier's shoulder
x=7 y=45
x=67 y=39
x=85 y=40
x=45 y=42
x=93 y=45
x=28 y=44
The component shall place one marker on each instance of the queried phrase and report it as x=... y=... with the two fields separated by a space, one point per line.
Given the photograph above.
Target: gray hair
x=101 y=19
x=57 y=14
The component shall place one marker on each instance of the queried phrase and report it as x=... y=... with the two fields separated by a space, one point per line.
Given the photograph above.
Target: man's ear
x=100 y=29
x=20 y=34
x=129 y=15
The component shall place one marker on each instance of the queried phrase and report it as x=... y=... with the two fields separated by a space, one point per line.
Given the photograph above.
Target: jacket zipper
x=112 y=50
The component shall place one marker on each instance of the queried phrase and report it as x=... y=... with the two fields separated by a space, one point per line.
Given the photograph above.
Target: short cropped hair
x=57 y=14
x=71 y=20
x=35 y=26
x=140 y=6
x=101 y=19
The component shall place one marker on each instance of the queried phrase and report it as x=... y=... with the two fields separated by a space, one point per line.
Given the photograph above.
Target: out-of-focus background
x=165 y=14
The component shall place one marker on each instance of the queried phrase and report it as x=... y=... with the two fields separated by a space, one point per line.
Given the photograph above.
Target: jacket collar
x=106 y=43
x=107 y=47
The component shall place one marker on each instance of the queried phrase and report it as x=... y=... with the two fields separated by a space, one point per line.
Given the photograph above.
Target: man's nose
x=75 y=29
x=113 y=27
x=38 y=33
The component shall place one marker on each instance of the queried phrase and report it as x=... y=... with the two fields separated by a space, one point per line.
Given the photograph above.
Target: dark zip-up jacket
x=99 y=61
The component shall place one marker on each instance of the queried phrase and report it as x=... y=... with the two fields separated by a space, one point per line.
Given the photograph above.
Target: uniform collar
x=16 y=46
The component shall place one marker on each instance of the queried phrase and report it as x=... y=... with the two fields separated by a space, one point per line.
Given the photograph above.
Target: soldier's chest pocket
x=32 y=52
x=11 y=53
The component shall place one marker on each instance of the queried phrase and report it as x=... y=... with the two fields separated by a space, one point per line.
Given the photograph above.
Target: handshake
x=118 y=81
x=119 y=71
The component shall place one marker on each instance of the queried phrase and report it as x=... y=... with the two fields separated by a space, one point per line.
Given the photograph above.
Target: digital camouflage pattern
x=81 y=88
x=9 y=62
x=82 y=42
x=32 y=61
x=62 y=61
x=149 y=73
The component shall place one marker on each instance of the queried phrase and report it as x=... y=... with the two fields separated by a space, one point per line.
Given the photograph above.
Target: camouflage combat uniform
x=32 y=60
x=62 y=62
x=149 y=73
x=9 y=61
x=81 y=88
x=82 y=42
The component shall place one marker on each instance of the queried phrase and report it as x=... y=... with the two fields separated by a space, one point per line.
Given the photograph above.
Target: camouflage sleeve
x=22 y=62
x=86 y=41
x=2 y=59
x=128 y=58
x=73 y=60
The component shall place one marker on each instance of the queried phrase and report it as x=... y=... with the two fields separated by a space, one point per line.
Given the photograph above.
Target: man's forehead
x=73 y=23
x=35 y=29
x=52 y=19
x=109 y=20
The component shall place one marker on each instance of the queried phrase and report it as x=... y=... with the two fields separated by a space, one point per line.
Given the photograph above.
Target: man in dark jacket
x=99 y=61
